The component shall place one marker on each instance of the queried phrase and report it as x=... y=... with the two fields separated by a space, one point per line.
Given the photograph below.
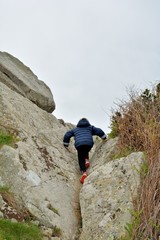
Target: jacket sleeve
x=98 y=132
x=67 y=137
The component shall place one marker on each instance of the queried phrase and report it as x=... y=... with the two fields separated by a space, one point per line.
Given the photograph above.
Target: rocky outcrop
x=106 y=198
x=43 y=177
x=40 y=172
x=22 y=80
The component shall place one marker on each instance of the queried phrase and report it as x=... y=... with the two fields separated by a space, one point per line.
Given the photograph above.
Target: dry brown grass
x=138 y=127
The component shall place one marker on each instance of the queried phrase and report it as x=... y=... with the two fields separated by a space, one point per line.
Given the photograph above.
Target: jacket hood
x=83 y=123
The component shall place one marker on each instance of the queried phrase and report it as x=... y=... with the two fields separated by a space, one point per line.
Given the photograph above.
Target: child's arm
x=99 y=132
x=67 y=137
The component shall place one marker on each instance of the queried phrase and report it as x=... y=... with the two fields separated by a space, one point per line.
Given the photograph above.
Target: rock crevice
x=43 y=176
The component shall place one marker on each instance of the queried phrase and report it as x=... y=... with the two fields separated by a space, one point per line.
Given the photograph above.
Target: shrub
x=138 y=129
x=114 y=125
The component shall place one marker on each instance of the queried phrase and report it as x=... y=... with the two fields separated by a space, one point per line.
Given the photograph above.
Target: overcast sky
x=87 y=51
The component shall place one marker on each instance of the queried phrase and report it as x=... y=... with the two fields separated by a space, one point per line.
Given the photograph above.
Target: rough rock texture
x=41 y=173
x=21 y=79
x=107 y=195
x=43 y=176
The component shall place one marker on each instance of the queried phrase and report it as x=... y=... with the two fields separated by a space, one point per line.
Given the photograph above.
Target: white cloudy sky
x=87 y=51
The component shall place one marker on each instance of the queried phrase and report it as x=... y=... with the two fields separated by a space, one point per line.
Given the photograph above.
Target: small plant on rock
x=7 y=139
x=11 y=230
x=56 y=232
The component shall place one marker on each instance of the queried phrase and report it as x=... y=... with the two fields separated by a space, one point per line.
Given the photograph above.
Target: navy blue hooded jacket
x=83 y=133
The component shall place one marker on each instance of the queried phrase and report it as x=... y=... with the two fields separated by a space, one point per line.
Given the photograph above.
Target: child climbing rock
x=82 y=134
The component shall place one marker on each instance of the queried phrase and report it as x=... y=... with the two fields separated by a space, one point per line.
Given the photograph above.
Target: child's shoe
x=83 y=177
x=87 y=163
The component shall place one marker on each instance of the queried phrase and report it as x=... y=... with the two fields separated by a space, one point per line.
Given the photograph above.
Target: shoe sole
x=83 y=178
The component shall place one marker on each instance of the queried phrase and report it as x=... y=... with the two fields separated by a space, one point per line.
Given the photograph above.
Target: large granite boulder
x=42 y=175
x=106 y=198
x=22 y=80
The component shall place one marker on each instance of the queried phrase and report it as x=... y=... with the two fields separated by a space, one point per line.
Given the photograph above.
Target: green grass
x=122 y=153
x=4 y=189
x=18 y=231
x=130 y=227
x=144 y=168
x=6 y=139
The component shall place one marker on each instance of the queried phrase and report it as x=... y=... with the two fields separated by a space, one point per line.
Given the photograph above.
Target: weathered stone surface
x=41 y=173
x=21 y=79
x=44 y=176
x=106 y=198
x=102 y=153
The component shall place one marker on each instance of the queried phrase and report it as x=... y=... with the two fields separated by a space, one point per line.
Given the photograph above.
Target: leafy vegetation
x=114 y=125
x=18 y=231
x=137 y=125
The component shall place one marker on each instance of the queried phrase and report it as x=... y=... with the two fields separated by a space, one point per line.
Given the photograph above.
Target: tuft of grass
x=7 y=139
x=18 y=231
x=124 y=152
x=130 y=227
x=4 y=189
x=56 y=232
x=143 y=169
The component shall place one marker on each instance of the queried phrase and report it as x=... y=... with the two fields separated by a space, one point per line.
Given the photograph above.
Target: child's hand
x=105 y=140
x=65 y=145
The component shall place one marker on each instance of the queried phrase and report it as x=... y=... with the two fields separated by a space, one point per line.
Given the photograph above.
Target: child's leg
x=87 y=163
x=86 y=151
x=87 y=156
x=81 y=158
x=83 y=153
